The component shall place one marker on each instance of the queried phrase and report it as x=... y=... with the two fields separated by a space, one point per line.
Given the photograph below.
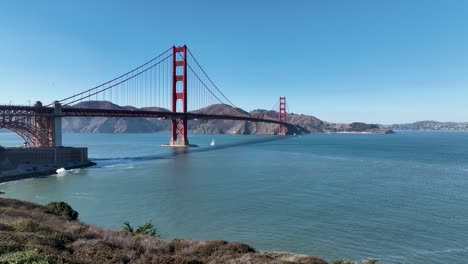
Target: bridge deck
x=158 y=114
x=14 y=110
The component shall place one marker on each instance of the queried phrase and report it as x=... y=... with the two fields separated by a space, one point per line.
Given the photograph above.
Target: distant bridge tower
x=179 y=92
x=282 y=116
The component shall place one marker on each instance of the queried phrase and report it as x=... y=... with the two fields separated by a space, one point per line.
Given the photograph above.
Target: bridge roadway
x=26 y=111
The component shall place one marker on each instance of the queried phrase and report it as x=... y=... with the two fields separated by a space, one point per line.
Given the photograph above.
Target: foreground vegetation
x=51 y=234
x=31 y=233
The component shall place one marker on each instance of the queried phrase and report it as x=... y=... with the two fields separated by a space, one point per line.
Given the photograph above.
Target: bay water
x=399 y=198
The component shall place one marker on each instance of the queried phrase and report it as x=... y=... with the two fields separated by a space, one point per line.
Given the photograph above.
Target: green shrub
x=145 y=229
x=127 y=227
x=61 y=209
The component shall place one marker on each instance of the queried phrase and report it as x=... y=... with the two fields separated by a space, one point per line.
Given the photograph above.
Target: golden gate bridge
x=172 y=85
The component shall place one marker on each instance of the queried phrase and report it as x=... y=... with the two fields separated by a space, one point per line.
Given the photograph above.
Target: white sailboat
x=212 y=142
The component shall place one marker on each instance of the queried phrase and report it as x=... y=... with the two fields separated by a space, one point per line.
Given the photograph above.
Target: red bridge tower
x=282 y=116
x=179 y=92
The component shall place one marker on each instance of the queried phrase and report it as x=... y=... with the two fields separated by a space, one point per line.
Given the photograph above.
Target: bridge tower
x=282 y=116
x=179 y=93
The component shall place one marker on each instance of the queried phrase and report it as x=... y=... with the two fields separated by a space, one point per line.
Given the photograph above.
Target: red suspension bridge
x=173 y=85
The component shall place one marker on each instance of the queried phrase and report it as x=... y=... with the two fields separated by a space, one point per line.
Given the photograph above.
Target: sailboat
x=212 y=142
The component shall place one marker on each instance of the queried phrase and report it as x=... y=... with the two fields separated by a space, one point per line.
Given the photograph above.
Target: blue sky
x=341 y=61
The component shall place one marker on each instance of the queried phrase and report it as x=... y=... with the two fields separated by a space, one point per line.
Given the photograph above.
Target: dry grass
x=28 y=234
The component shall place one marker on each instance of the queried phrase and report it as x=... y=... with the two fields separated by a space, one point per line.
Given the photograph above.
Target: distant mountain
x=430 y=125
x=238 y=127
x=113 y=124
x=356 y=127
x=303 y=123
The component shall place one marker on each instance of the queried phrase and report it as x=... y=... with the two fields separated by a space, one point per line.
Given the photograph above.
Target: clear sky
x=341 y=61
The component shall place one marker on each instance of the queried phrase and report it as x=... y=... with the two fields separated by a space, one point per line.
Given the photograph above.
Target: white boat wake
x=61 y=171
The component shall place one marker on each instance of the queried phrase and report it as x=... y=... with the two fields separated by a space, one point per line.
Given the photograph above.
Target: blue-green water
x=400 y=198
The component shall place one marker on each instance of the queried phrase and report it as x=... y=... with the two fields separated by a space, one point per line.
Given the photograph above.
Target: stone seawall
x=19 y=163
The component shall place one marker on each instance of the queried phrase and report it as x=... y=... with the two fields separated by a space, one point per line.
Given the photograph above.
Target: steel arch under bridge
x=37 y=125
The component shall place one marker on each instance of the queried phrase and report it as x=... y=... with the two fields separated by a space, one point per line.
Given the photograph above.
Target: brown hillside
x=31 y=233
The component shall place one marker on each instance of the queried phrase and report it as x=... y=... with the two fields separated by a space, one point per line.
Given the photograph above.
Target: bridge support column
x=179 y=136
x=57 y=130
x=282 y=130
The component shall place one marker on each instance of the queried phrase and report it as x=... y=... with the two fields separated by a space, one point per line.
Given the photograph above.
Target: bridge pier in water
x=179 y=135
